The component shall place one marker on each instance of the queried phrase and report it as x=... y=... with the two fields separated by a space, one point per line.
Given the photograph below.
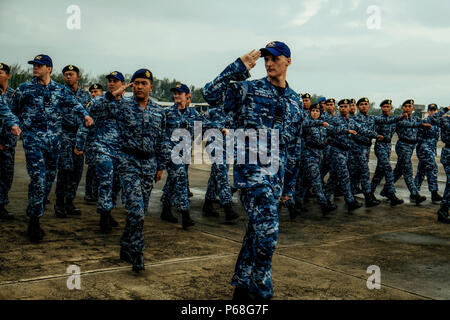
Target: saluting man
x=268 y=103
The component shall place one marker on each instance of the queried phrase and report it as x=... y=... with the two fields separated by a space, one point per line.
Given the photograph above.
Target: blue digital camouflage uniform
x=41 y=110
x=106 y=146
x=340 y=141
x=444 y=124
x=70 y=166
x=85 y=142
x=312 y=155
x=219 y=182
x=325 y=166
x=383 y=151
x=141 y=154
x=257 y=105
x=426 y=150
x=176 y=188
x=361 y=144
x=9 y=141
x=407 y=138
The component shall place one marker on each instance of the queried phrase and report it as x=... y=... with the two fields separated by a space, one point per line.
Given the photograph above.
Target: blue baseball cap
x=42 y=59
x=432 y=106
x=116 y=75
x=181 y=88
x=276 y=48
x=142 y=73
x=321 y=99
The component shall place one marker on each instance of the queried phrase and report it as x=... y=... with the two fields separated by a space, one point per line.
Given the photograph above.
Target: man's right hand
x=250 y=59
x=78 y=152
x=119 y=92
x=16 y=131
x=353 y=132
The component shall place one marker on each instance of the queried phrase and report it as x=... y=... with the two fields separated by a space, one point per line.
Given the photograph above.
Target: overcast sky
x=334 y=53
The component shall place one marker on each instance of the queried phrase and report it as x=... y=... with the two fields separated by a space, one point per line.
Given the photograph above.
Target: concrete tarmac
x=316 y=257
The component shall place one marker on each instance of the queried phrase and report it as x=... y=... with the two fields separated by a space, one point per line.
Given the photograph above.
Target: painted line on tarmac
x=353 y=276
x=331 y=243
x=116 y=269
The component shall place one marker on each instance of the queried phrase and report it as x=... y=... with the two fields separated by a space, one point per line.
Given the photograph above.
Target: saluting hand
x=119 y=92
x=250 y=59
x=16 y=131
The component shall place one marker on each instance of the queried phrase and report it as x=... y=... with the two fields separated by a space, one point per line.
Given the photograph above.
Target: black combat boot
x=299 y=207
x=70 y=208
x=4 y=214
x=208 y=209
x=436 y=197
x=328 y=208
x=371 y=201
x=230 y=214
x=357 y=191
x=186 y=220
x=443 y=215
x=113 y=221
x=418 y=199
x=125 y=255
x=384 y=193
x=90 y=198
x=105 y=222
x=166 y=214
x=138 y=261
x=292 y=212
x=394 y=200
x=35 y=232
x=352 y=206
x=60 y=211
x=241 y=294
x=190 y=194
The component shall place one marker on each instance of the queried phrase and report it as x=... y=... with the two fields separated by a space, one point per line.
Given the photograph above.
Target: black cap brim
x=36 y=61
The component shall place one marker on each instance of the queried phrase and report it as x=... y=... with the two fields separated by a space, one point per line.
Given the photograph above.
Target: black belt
x=316 y=146
x=138 y=154
x=70 y=128
x=362 y=143
x=339 y=146
x=408 y=141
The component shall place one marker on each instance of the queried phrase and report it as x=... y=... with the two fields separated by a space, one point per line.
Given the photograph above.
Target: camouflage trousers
x=6 y=174
x=91 y=187
x=339 y=177
x=445 y=160
x=254 y=264
x=427 y=167
x=41 y=167
x=108 y=182
x=137 y=178
x=67 y=180
x=219 y=184
x=175 y=190
x=384 y=169
x=359 y=168
x=404 y=165
x=311 y=178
